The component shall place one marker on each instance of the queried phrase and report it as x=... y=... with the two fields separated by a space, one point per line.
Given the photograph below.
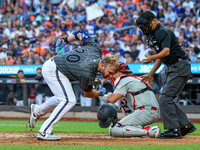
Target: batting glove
x=103 y=90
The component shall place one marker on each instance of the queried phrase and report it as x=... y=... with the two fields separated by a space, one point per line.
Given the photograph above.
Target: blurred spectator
x=179 y=10
x=125 y=45
x=25 y=57
x=10 y=100
x=128 y=57
x=3 y=61
x=18 y=90
x=187 y=4
x=193 y=55
x=91 y=27
x=121 y=59
x=39 y=88
x=198 y=58
x=105 y=52
x=141 y=48
x=137 y=61
x=3 y=94
x=118 y=49
x=29 y=62
x=134 y=51
x=3 y=53
x=155 y=88
x=19 y=61
x=170 y=15
x=6 y=31
x=10 y=60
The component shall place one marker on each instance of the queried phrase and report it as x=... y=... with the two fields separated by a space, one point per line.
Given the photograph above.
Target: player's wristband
x=103 y=98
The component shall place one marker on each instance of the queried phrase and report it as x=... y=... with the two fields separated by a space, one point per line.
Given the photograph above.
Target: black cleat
x=171 y=134
x=189 y=128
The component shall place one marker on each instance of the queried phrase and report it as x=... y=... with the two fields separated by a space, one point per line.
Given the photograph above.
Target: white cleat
x=33 y=119
x=47 y=136
x=154 y=132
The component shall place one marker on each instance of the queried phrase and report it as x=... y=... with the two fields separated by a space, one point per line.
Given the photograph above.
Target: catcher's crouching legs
x=134 y=131
x=127 y=131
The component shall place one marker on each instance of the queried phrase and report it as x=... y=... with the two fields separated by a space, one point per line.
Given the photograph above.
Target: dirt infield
x=90 y=139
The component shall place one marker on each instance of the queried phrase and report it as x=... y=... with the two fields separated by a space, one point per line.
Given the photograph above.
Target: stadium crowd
x=29 y=28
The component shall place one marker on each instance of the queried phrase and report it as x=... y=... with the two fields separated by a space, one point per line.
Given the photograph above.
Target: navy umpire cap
x=148 y=15
x=106 y=114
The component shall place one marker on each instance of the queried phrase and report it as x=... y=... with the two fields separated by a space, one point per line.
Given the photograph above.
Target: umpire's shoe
x=47 y=136
x=171 y=134
x=33 y=119
x=189 y=128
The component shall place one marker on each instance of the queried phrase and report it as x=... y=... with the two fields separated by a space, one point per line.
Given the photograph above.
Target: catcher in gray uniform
x=137 y=102
x=81 y=65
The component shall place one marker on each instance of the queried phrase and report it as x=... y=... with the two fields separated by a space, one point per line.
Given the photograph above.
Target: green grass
x=65 y=127
x=94 y=147
x=81 y=127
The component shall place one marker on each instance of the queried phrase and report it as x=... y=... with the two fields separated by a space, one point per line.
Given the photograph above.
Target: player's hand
x=147 y=60
x=103 y=90
x=79 y=36
x=145 y=78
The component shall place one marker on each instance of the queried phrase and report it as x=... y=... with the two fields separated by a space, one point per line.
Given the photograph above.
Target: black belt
x=175 y=61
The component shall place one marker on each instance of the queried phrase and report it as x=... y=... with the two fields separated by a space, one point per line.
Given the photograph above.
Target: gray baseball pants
x=176 y=78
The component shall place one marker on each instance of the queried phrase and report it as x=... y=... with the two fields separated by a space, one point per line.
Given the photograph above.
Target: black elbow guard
x=66 y=40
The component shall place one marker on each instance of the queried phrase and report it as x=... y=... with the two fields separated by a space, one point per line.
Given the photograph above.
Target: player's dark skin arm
x=165 y=52
x=92 y=94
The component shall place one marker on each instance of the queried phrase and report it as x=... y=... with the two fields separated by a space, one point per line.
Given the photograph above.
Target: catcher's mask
x=143 y=22
x=107 y=114
x=122 y=68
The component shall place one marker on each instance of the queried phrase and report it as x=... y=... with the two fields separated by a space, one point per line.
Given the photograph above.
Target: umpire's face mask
x=144 y=25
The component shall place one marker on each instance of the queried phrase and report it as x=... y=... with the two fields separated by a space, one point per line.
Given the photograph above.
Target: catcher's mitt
x=97 y=82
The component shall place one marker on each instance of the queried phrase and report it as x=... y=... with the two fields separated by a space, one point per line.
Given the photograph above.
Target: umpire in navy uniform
x=178 y=71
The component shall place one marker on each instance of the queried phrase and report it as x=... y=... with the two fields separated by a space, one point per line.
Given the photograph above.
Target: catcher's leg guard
x=127 y=131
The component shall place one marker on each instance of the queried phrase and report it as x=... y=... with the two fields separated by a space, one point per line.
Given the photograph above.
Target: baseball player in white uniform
x=137 y=102
x=80 y=64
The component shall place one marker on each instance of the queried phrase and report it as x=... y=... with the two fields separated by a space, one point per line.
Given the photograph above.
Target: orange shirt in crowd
x=40 y=50
x=119 y=24
x=26 y=50
x=10 y=61
x=127 y=37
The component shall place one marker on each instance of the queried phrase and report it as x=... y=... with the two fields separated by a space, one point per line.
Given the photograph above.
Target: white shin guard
x=127 y=131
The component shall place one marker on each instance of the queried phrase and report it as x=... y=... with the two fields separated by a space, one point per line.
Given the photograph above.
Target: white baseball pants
x=63 y=100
